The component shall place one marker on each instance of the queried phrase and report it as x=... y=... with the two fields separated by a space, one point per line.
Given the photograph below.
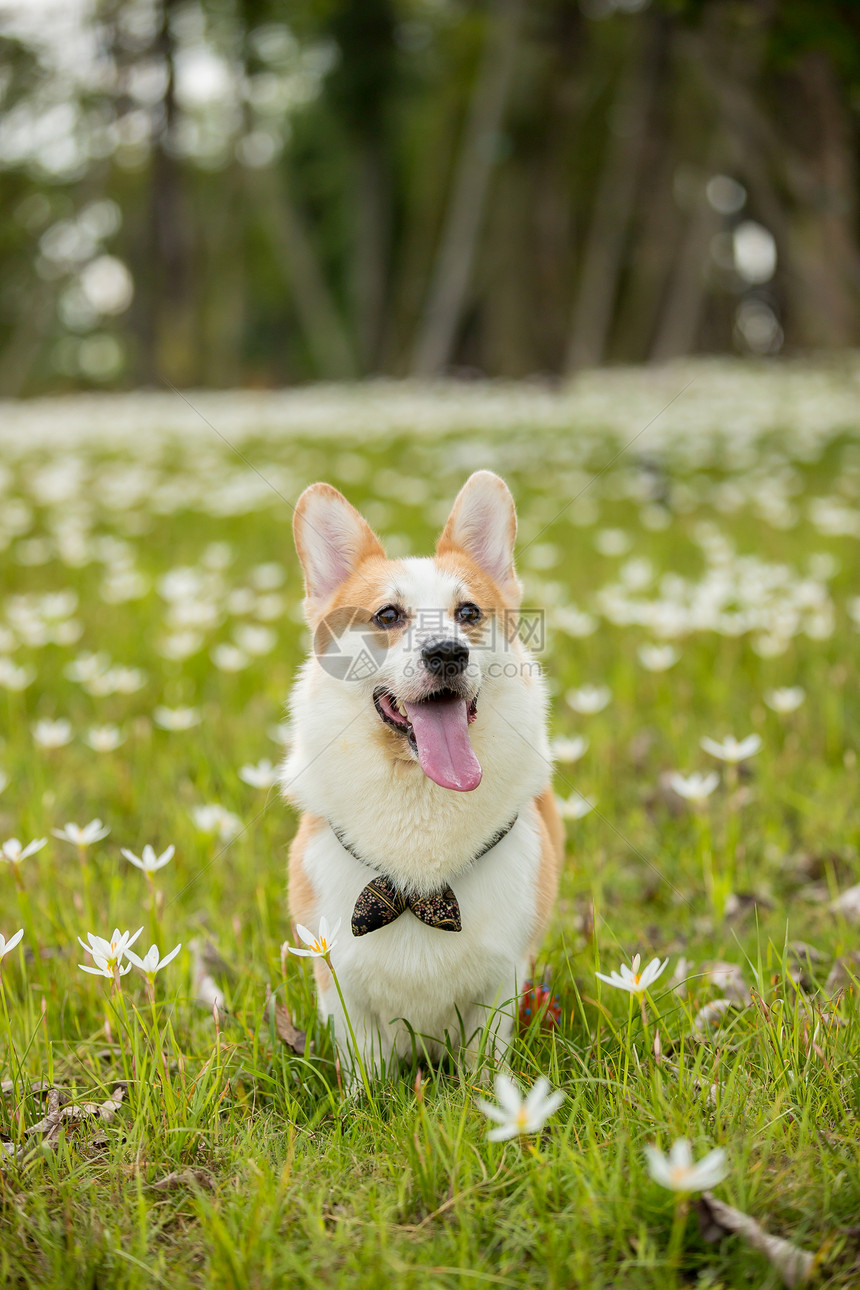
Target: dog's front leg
x=488 y=1034
x=374 y=1045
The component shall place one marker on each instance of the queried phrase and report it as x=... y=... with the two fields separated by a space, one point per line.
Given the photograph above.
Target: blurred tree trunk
x=679 y=321
x=285 y=227
x=650 y=252
x=824 y=233
x=360 y=89
x=603 y=258
x=732 y=41
x=454 y=261
x=22 y=349
x=222 y=315
x=507 y=280
x=169 y=331
x=370 y=257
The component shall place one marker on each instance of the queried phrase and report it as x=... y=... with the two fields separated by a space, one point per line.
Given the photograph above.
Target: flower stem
x=629 y=1042
x=13 y=1059
x=356 y=1049
x=676 y=1237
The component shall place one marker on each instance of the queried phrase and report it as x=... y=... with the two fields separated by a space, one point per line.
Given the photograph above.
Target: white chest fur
x=422 y=974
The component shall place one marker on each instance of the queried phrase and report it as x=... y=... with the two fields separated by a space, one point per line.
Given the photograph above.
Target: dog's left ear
x=483 y=524
x=332 y=540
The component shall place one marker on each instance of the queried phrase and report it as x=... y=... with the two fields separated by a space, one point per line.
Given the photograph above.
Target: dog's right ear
x=332 y=540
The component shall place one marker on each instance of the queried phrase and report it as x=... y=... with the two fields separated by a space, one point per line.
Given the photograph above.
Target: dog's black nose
x=445 y=658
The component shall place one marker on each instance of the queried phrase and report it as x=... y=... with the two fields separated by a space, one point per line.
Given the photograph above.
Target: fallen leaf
x=185 y=1178
x=729 y=980
x=848 y=903
x=37 y=1086
x=206 y=990
x=75 y=1113
x=717 y=1219
x=710 y=1017
x=284 y=1028
x=740 y=903
x=844 y=974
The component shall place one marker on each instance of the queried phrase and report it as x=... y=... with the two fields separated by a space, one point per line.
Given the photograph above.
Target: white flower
x=589 y=698
x=731 y=749
x=180 y=645
x=87 y=666
x=263 y=775
x=12 y=850
x=13 y=677
x=255 y=640
x=6 y=946
x=52 y=734
x=569 y=750
x=658 y=658
x=108 y=955
x=267 y=577
x=105 y=967
x=695 y=787
x=516 y=1114
x=677 y=1171
x=104 y=738
x=281 y=734
x=213 y=818
x=612 y=541
x=574 y=622
x=787 y=699
x=176 y=718
x=269 y=607
x=82 y=837
x=631 y=979
x=574 y=807
x=127 y=680
x=318 y=946
x=151 y=963
x=149 y=862
x=229 y=658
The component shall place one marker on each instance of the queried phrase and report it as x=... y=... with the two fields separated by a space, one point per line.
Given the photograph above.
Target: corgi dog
x=429 y=836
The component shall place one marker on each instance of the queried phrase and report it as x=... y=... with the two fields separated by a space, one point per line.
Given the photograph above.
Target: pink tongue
x=441 y=729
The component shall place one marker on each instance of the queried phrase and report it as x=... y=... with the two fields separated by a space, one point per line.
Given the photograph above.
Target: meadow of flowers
x=683 y=1099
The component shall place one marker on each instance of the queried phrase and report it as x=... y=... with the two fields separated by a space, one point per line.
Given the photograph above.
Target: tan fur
x=552 y=859
x=301 y=894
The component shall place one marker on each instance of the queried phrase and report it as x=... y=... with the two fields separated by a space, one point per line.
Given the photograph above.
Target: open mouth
x=437 y=729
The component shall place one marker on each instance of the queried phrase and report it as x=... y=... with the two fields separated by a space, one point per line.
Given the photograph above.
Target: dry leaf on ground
x=717 y=1219
x=288 y=1033
x=59 y=1115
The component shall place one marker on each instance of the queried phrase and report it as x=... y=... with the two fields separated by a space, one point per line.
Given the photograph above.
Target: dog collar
x=381 y=901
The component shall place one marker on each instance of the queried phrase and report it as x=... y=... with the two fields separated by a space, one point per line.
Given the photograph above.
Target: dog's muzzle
x=445 y=659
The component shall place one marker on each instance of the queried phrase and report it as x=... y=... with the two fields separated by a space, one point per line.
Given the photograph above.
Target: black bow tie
x=380 y=902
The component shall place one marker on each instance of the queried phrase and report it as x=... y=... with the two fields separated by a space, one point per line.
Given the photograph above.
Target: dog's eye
x=467 y=613
x=389 y=616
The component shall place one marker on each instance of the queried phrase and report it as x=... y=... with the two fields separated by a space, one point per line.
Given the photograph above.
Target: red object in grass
x=539 y=1001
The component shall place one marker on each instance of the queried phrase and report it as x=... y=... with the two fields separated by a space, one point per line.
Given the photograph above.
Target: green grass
x=279 y=1178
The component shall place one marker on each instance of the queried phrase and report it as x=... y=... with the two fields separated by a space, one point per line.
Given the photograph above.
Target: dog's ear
x=483 y=524
x=332 y=540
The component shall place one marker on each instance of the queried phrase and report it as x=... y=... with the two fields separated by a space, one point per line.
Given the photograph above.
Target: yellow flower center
x=678 y=1174
x=522 y=1118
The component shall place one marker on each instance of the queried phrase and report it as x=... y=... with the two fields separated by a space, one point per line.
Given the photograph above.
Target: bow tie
x=380 y=902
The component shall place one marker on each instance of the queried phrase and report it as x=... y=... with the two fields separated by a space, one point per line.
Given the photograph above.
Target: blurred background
x=254 y=194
